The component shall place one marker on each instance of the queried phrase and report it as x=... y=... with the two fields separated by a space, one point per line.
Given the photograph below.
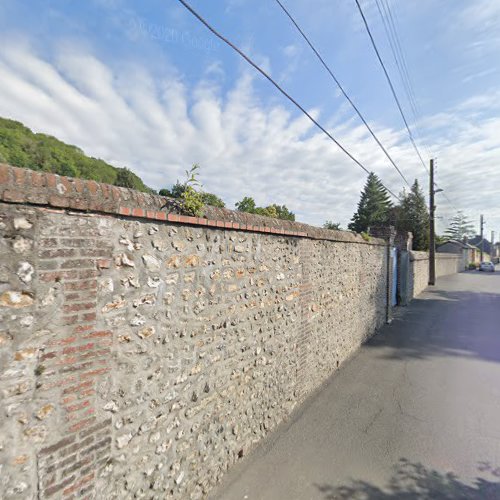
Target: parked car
x=487 y=266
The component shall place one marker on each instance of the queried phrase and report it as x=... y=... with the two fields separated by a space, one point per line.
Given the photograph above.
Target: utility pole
x=493 y=254
x=432 y=234
x=482 y=236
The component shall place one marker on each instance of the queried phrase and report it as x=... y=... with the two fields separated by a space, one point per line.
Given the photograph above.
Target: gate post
x=404 y=244
x=388 y=233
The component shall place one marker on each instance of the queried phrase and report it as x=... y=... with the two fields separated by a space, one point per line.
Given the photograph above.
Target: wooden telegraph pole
x=432 y=235
x=482 y=237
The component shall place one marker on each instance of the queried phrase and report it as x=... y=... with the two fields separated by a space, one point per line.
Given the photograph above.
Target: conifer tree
x=459 y=227
x=374 y=206
x=413 y=216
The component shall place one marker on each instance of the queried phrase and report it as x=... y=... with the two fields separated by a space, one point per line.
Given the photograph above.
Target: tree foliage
x=412 y=216
x=459 y=227
x=212 y=200
x=374 y=206
x=178 y=190
x=20 y=147
x=332 y=225
x=247 y=204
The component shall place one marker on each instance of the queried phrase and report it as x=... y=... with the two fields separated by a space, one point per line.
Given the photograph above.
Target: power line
x=390 y=85
x=390 y=33
x=399 y=57
x=290 y=98
x=313 y=48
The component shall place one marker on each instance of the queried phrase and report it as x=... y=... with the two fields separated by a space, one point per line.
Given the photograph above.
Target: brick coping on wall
x=20 y=185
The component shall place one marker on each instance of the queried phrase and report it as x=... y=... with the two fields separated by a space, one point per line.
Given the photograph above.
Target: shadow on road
x=413 y=481
x=444 y=323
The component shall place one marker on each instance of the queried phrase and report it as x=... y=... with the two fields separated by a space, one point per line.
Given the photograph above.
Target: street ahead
x=414 y=415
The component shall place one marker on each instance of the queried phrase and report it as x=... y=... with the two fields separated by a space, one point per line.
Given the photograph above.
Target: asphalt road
x=415 y=414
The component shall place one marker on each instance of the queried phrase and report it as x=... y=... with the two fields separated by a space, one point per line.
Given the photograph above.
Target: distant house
x=469 y=252
x=482 y=244
x=496 y=253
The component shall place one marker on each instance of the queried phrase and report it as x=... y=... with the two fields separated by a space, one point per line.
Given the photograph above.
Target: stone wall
x=143 y=353
x=419 y=272
x=449 y=264
x=347 y=303
x=446 y=264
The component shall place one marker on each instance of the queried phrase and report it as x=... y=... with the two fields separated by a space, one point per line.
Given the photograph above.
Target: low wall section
x=142 y=353
x=446 y=264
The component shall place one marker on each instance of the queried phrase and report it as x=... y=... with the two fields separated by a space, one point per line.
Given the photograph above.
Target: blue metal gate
x=394 y=287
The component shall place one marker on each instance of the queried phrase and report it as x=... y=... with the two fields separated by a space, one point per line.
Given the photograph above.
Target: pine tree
x=459 y=227
x=413 y=216
x=374 y=207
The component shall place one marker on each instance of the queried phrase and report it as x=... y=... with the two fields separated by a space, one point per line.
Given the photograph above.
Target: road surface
x=415 y=414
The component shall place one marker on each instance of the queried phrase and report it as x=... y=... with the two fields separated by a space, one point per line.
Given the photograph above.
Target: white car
x=487 y=266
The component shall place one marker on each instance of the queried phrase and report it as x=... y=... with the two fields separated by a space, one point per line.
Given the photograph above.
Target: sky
x=145 y=85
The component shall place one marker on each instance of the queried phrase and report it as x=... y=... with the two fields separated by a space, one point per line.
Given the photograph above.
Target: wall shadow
x=444 y=323
x=414 y=481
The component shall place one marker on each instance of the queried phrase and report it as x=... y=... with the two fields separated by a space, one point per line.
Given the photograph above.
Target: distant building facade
x=471 y=254
x=482 y=244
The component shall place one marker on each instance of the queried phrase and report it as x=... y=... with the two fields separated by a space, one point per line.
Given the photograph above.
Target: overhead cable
x=384 y=9
x=275 y=84
x=294 y=22
x=390 y=84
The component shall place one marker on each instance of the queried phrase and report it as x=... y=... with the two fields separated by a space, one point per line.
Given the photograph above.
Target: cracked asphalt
x=415 y=414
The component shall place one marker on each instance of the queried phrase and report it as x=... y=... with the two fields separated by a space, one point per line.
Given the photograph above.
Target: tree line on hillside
x=20 y=147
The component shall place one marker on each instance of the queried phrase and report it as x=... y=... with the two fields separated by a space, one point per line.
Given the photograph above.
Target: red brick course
x=19 y=185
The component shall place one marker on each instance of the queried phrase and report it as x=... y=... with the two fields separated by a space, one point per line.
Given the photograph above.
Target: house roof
x=457 y=243
x=468 y=245
x=476 y=241
x=460 y=244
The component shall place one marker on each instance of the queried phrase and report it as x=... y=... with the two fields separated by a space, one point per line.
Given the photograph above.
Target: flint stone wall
x=143 y=353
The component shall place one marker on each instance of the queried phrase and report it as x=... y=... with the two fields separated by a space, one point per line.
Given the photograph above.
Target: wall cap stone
x=20 y=185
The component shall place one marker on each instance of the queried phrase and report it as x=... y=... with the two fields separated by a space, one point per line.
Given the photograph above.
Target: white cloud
x=478 y=24
x=293 y=56
x=159 y=126
x=478 y=75
x=481 y=15
x=291 y=50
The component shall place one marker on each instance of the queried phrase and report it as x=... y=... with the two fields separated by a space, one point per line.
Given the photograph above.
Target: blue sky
x=143 y=84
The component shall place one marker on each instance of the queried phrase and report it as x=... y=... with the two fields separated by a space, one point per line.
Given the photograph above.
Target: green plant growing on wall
x=178 y=189
x=191 y=199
